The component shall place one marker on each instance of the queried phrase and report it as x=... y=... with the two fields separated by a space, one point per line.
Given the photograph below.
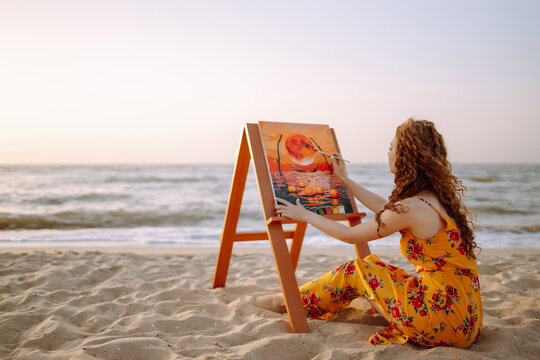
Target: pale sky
x=173 y=81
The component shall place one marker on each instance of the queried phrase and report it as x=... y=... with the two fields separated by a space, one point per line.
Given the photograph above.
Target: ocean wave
x=90 y=197
x=108 y=219
x=156 y=179
x=481 y=179
x=500 y=210
x=517 y=229
x=86 y=219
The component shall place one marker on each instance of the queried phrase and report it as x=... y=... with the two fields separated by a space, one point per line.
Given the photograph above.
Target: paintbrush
x=334 y=156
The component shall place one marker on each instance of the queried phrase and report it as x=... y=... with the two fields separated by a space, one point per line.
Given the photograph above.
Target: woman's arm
x=370 y=200
x=352 y=235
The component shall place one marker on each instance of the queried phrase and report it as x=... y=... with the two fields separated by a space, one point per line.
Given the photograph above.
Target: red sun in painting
x=300 y=149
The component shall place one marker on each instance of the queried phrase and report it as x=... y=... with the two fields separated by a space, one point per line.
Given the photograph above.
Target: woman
x=442 y=305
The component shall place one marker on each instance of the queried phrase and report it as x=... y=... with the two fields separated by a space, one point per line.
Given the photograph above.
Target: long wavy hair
x=421 y=165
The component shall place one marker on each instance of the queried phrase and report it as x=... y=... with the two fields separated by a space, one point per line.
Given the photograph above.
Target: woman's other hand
x=292 y=211
x=339 y=167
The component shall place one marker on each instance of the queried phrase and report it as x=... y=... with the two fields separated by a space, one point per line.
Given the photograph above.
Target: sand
x=157 y=303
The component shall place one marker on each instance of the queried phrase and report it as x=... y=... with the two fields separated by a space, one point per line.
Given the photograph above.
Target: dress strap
x=425 y=201
x=448 y=221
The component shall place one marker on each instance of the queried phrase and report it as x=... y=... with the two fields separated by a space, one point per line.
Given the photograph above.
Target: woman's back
x=427 y=222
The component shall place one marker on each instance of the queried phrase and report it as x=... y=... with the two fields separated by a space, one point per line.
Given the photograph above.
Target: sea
x=184 y=205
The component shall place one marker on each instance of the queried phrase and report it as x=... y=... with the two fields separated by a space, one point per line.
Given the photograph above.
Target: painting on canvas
x=298 y=169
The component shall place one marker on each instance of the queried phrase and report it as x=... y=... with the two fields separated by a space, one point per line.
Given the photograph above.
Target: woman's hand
x=295 y=212
x=339 y=167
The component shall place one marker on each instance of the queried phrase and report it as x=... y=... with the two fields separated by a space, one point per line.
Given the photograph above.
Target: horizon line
x=231 y=163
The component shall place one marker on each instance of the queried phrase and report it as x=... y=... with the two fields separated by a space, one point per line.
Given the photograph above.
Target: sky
x=108 y=82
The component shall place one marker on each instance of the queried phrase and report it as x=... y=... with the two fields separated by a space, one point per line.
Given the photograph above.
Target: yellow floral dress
x=440 y=307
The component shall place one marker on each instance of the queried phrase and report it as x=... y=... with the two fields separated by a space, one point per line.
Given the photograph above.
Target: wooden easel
x=251 y=147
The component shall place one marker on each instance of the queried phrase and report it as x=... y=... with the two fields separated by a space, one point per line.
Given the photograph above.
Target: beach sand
x=157 y=303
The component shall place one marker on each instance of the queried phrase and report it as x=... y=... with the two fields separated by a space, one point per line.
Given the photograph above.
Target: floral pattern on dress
x=311 y=305
x=415 y=251
x=440 y=306
x=347 y=268
x=342 y=295
x=468 y=326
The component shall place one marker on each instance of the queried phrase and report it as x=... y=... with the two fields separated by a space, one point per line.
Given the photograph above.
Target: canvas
x=299 y=171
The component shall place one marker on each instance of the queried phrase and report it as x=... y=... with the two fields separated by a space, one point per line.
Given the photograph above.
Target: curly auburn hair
x=421 y=165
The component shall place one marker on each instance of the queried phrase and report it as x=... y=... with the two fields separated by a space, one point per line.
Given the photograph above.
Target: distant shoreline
x=239 y=250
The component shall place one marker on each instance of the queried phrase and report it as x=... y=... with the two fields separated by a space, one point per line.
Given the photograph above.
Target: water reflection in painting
x=299 y=170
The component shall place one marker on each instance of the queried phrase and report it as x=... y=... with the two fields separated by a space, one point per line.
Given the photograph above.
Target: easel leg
x=296 y=244
x=287 y=280
x=222 y=263
x=233 y=213
x=362 y=250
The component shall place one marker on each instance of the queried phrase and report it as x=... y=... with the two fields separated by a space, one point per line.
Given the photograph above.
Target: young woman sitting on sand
x=441 y=306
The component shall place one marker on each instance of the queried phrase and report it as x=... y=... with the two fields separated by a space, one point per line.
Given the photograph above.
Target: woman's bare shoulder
x=412 y=203
x=417 y=209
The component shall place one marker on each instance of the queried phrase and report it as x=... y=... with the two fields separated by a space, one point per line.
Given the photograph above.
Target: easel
x=286 y=261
